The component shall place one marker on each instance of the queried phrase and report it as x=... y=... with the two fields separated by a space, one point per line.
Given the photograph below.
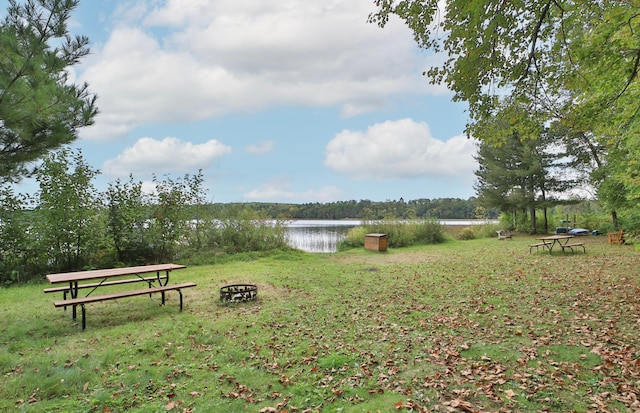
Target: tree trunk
x=533 y=221
x=546 y=221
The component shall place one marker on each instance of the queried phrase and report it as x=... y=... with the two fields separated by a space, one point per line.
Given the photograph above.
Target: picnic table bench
x=574 y=245
x=75 y=281
x=538 y=245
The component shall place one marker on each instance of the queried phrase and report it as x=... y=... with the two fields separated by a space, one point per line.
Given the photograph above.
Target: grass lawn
x=466 y=326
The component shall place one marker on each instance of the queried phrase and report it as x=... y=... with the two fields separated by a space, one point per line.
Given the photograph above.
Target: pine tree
x=40 y=110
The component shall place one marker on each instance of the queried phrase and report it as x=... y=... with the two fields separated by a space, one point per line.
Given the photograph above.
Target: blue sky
x=289 y=101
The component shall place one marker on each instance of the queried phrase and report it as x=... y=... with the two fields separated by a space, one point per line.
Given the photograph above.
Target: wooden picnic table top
x=110 y=272
x=555 y=237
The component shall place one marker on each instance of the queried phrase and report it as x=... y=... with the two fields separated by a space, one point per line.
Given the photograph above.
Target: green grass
x=478 y=325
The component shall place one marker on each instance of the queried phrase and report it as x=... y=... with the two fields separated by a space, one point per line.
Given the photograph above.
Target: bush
x=399 y=234
x=466 y=234
x=487 y=230
x=239 y=235
x=429 y=232
x=354 y=238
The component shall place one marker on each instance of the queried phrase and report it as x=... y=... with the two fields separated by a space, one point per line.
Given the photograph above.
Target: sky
x=288 y=101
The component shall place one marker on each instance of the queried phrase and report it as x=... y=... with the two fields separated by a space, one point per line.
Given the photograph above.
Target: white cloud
x=279 y=189
x=149 y=155
x=399 y=149
x=149 y=187
x=261 y=147
x=190 y=60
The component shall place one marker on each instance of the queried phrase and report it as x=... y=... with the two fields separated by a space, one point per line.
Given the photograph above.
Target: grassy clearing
x=478 y=325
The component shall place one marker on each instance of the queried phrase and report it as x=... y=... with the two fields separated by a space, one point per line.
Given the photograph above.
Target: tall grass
x=399 y=233
x=244 y=235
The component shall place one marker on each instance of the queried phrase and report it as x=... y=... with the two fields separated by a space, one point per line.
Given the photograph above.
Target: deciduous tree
x=17 y=243
x=127 y=221
x=69 y=221
x=576 y=62
x=171 y=221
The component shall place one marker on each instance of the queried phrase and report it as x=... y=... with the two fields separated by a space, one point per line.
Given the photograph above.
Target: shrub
x=466 y=234
x=429 y=232
x=487 y=230
x=354 y=239
x=244 y=234
x=399 y=234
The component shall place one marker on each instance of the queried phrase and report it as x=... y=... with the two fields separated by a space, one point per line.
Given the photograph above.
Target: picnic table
x=549 y=242
x=74 y=282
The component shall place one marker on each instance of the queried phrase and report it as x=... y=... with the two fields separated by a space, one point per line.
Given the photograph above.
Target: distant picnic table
x=549 y=242
x=74 y=282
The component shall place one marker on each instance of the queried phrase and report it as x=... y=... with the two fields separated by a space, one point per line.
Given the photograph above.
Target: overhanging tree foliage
x=40 y=109
x=574 y=62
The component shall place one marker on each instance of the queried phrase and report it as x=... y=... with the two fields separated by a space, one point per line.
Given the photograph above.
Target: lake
x=324 y=235
x=318 y=235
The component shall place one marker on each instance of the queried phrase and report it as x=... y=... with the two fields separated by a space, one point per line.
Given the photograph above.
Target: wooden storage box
x=375 y=242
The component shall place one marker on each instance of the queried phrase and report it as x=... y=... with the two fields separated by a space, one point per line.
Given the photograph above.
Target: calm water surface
x=318 y=235
x=324 y=235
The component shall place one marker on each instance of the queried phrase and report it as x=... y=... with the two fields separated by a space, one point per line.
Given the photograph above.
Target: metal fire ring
x=238 y=292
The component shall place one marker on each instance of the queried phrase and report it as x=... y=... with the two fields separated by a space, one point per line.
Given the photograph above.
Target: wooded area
x=441 y=208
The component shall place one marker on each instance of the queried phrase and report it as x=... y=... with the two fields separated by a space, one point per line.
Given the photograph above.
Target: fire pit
x=238 y=293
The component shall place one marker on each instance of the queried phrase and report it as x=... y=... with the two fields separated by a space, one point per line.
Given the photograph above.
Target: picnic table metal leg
x=163 y=280
x=73 y=290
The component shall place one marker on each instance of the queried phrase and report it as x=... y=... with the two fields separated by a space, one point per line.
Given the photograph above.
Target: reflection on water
x=317 y=235
x=325 y=235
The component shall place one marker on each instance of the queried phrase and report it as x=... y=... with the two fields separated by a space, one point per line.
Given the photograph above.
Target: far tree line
x=440 y=208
